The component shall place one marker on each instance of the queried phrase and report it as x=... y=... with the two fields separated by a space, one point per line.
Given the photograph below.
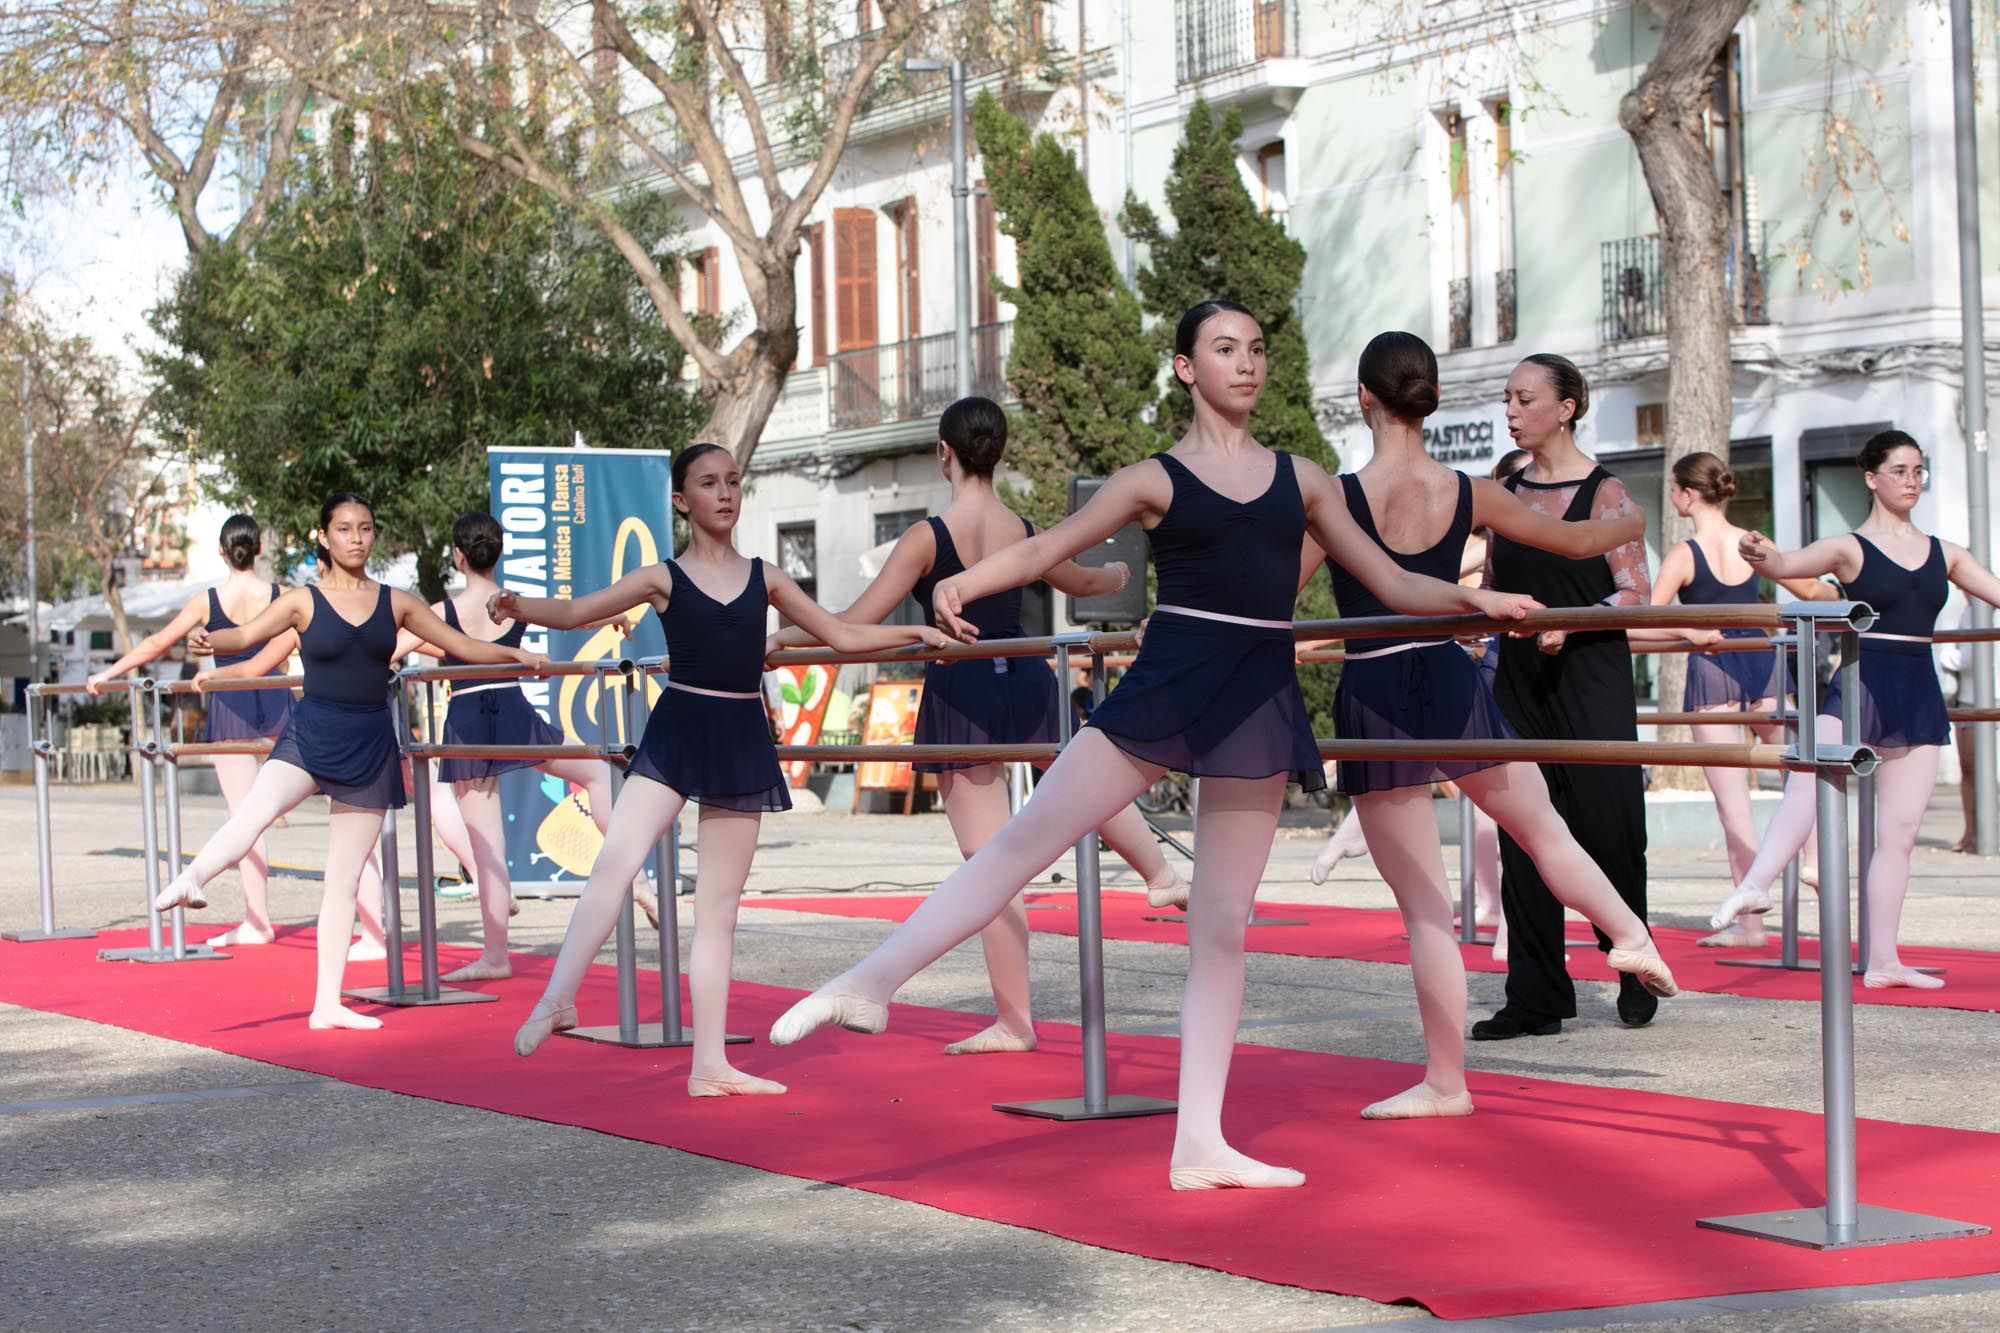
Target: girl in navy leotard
x=1706 y=571
x=1428 y=689
x=497 y=712
x=1004 y=701
x=708 y=741
x=341 y=739
x=232 y=715
x=1904 y=574
x=1213 y=693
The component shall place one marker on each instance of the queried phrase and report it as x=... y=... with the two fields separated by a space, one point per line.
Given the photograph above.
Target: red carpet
x=1375 y=935
x=1553 y=1197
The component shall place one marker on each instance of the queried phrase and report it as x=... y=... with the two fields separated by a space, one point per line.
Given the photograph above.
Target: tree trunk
x=114 y=598
x=1665 y=116
x=759 y=366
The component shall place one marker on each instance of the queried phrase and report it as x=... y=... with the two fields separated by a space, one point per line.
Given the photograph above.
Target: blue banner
x=576 y=520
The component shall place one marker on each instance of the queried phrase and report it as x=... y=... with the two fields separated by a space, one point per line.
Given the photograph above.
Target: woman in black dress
x=1567 y=686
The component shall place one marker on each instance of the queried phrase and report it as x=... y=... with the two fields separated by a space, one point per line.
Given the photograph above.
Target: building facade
x=1456 y=169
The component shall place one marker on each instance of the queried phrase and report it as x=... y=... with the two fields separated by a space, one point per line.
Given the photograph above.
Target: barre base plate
x=1117 y=1107
x=44 y=936
x=1807 y=965
x=412 y=997
x=650 y=1037
x=1809 y=1229
x=196 y=953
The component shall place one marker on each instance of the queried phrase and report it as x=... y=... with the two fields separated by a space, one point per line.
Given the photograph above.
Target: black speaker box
x=1127 y=606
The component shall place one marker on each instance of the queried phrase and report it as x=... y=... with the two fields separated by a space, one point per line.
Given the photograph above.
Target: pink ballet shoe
x=1418 y=1103
x=647 y=904
x=542 y=1024
x=1173 y=893
x=1743 y=900
x=1735 y=937
x=994 y=1040
x=743 y=1085
x=1647 y=965
x=1257 y=1176
x=856 y=1013
x=481 y=969
x=180 y=893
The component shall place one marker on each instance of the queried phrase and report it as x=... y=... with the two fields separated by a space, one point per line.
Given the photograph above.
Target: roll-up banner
x=576 y=520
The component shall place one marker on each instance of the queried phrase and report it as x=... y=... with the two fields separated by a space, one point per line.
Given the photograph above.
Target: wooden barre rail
x=1626 y=753
x=536 y=753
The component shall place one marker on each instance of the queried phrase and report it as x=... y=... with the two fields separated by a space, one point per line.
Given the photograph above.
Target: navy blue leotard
x=1714 y=679
x=1902 y=703
x=239 y=715
x=490 y=712
x=342 y=732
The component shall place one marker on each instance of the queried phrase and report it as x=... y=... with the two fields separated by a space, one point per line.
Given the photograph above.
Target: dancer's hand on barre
x=1504 y=605
x=1702 y=638
x=533 y=661
x=96 y=682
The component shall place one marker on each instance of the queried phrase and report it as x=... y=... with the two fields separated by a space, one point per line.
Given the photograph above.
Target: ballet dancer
x=1421 y=513
x=1904 y=574
x=232 y=715
x=496 y=712
x=341 y=739
x=1703 y=571
x=1006 y=701
x=1563 y=686
x=708 y=741
x=1213 y=693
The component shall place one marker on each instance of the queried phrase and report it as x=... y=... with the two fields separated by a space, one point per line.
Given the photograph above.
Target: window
x=854 y=277
x=909 y=314
x=816 y=289
x=1271 y=181
x=1651 y=430
x=888 y=527
x=798 y=555
x=1458 y=292
x=1504 y=310
x=986 y=255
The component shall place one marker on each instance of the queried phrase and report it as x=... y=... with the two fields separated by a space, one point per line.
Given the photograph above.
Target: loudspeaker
x=1127 y=606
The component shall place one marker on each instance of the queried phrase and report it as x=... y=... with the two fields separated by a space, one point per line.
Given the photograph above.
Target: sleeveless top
x=511 y=639
x=219 y=619
x=996 y=617
x=1704 y=589
x=1556 y=580
x=349 y=664
x=1230 y=557
x=1440 y=561
x=715 y=645
x=1906 y=601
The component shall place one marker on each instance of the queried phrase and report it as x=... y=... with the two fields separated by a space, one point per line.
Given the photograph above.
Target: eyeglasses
x=1919 y=474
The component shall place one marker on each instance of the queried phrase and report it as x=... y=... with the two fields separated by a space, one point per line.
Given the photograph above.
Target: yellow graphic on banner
x=567 y=835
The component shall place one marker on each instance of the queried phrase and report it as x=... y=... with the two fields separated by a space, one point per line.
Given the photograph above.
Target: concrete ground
x=152 y=1181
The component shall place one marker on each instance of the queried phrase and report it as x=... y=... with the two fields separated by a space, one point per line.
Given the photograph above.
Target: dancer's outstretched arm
x=914 y=553
x=1839 y=556
x=269 y=658
x=651 y=586
x=835 y=633
x=291 y=610
x=1976 y=579
x=1496 y=507
x=412 y=615
x=154 y=646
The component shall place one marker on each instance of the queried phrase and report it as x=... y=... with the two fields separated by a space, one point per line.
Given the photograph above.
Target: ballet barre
x=41 y=750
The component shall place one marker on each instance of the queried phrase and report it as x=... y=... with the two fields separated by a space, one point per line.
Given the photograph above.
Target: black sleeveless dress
x=490 y=712
x=1715 y=679
x=241 y=715
x=1583 y=692
x=714 y=748
x=1219 y=698
x=1902 y=703
x=1007 y=701
x=342 y=731
x=1409 y=689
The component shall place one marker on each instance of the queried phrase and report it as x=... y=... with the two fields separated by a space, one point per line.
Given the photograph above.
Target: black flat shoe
x=1511 y=1023
x=1636 y=1004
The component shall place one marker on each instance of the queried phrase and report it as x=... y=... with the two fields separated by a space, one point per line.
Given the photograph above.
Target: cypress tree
x=1081 y=365
x=1224 y=246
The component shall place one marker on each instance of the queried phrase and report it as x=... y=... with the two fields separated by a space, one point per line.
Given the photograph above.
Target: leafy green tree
x=1080 y=365
x=1224 y=246
x=401 y=310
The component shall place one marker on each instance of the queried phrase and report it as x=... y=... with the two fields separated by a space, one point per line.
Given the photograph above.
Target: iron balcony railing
x=986 y=38
x=1216 y=36
x=1635 y=285
x=1459 y=296
x=917 y=378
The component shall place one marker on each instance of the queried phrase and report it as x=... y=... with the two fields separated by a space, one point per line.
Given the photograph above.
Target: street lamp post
x=961 y=223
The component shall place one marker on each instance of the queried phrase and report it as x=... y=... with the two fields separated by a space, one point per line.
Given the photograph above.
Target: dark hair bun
x=1401 y=370
x=1567 y=381
x=1707 y=476
x=478 y=537
x=242 y=539
x=976 y=430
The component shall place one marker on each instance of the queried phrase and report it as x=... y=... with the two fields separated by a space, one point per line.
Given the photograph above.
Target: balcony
x=965 y=30
x=1635 y=286
x=1217 y=36
x=910 y=380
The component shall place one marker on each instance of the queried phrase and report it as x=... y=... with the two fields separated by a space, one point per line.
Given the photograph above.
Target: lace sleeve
x=1629 y=572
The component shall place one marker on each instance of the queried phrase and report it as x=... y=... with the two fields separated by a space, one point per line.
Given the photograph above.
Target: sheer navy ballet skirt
x=1902 y=703
x=1219 y=697
x=709 y=738
x=242 y=715
x=342 y=731
x=1740 y=679
x=1007 y=701
x=490 y=712
x=1406 y=689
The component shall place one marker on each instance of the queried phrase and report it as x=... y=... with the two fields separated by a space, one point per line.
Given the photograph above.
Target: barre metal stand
x=670 y=1031
x=1097 y=1102
x=45 y=864
x=430 y=991
x=1842 y=1222
x=1468 y=875
x=149 y=755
